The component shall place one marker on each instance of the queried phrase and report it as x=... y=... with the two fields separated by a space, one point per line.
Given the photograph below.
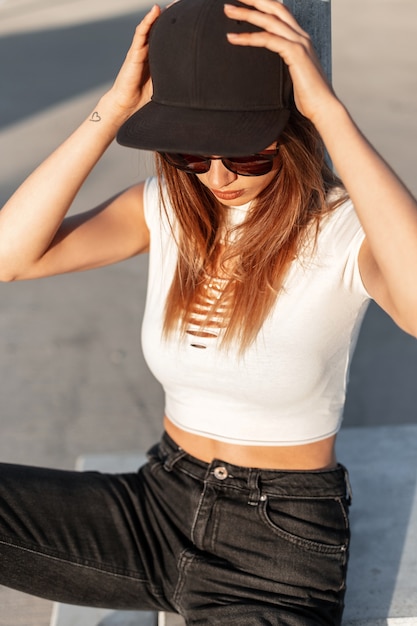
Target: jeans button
x=221 y=473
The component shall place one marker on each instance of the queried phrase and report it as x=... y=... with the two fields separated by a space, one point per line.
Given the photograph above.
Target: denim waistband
x=328 y=483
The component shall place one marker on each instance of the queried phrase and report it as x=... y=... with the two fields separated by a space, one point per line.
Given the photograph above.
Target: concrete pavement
x=72 y=379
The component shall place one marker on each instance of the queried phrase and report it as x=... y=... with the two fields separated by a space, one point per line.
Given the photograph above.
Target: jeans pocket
x=315 y=524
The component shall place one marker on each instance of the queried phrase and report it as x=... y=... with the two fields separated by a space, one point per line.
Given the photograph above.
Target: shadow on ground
x=43 y=68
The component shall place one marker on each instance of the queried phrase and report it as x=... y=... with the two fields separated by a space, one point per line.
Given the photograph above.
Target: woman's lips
x=227 y=195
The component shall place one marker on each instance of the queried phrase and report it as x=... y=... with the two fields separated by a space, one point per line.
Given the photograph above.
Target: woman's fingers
x=280 y=32
x=268 y=7
x=139 y=44
x=275 y=31
x=132 y=87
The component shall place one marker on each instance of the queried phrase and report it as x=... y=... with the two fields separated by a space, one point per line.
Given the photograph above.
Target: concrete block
x=406 y=621
x=68 y=615
x=382 y=579
x=170 y=619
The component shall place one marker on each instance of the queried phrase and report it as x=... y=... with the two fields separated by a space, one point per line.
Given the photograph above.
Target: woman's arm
x=386 y=209
x=111 y=232
x=388 y=214
x=35 y=240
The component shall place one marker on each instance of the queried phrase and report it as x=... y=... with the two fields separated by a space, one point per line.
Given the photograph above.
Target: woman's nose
x=219 y=176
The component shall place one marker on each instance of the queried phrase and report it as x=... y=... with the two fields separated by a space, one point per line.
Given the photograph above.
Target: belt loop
x=254 y=489
x=349 y=493
x=172 y=458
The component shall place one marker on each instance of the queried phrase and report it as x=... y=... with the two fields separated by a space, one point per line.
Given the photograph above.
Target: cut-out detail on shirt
x=208 y=305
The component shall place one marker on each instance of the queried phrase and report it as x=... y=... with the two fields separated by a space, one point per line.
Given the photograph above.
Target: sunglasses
x=253 y=165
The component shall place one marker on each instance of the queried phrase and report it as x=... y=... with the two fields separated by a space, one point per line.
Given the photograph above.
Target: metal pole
x=314 y=16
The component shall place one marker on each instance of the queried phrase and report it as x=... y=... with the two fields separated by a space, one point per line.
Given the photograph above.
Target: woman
x=260 y=272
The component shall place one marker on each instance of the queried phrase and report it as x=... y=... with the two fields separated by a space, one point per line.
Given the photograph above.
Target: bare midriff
x=310 y=456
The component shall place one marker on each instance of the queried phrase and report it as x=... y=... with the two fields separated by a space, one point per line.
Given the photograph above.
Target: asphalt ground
x=72 y=377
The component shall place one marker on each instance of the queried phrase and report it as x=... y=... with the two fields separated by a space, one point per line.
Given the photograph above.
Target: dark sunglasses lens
x=249 y=166
x=188 y=162
x=253 y=165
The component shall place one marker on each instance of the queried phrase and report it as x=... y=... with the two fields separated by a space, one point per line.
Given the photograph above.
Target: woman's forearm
x=32 y=216
x=386 y=209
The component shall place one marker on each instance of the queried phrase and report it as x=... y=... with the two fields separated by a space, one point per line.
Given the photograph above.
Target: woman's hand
x=281 y=33
x=133 y=86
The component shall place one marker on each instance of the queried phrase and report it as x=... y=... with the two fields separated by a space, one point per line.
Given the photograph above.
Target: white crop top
x=289 y=386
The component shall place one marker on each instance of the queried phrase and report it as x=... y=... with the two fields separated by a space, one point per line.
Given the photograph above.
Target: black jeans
x=217 y=543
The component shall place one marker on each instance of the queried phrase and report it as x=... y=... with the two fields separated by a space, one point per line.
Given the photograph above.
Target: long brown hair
x=267 y=241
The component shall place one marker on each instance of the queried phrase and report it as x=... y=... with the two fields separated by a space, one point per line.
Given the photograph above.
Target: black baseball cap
x=209 y=96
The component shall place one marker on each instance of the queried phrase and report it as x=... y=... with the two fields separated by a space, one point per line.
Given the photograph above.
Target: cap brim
x=164 y=128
